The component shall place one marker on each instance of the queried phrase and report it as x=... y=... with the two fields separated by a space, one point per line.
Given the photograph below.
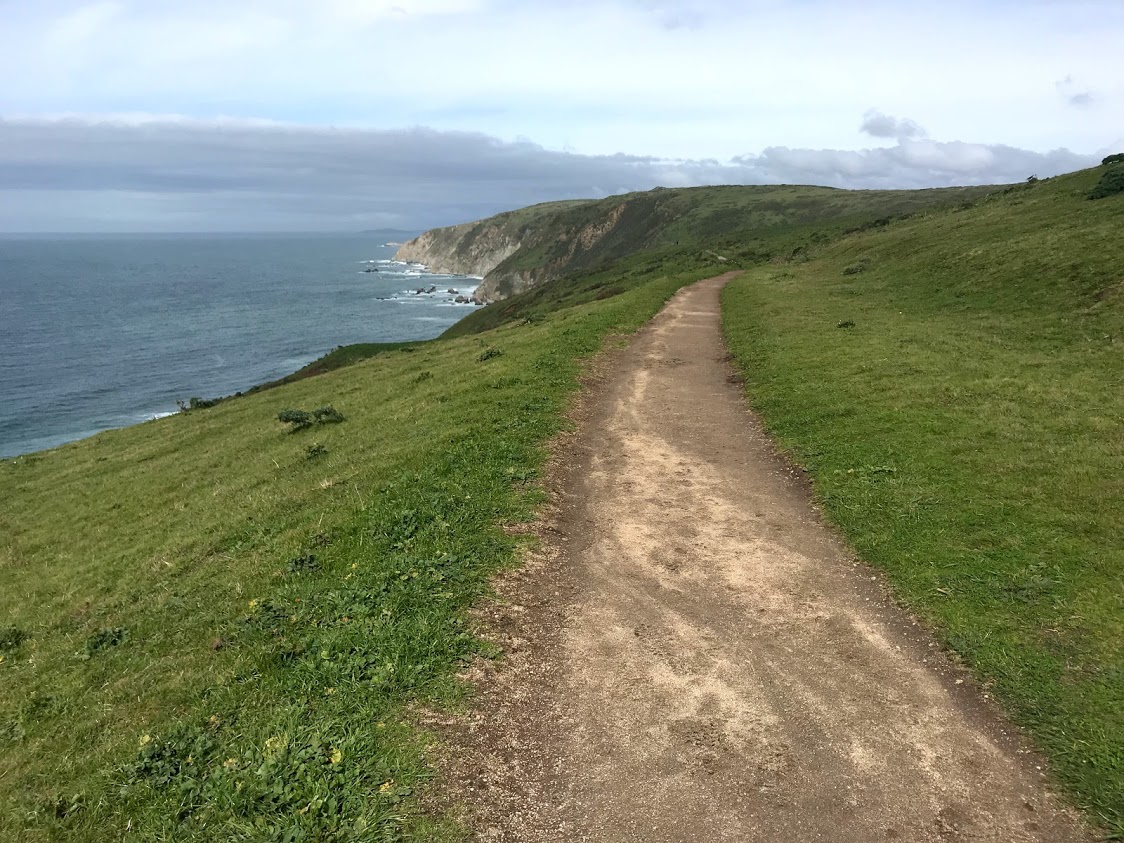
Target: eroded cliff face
x=474 y=248
x=511 y=252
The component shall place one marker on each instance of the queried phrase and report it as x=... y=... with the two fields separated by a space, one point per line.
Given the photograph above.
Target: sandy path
x=697 y=657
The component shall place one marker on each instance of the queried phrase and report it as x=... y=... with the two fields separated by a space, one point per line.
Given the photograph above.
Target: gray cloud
x=879 y=125
x=1073 y=93
x=186 y=175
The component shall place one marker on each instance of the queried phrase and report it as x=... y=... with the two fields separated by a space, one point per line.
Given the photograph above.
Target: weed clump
x=11 y=637
x=314 y=450
x=1111 y=183
x=861 y=265
x=197 y=403
x=846 y=323
x=489 y=354
x=303 y=564
x=301 y=419
x=103 y=639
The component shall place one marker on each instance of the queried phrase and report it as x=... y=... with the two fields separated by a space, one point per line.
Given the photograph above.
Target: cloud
x=1073 y=93
x=879 y=125
x=148 y=173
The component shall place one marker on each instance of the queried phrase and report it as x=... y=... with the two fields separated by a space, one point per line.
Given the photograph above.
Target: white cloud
x=879 y=125
x=668 y=77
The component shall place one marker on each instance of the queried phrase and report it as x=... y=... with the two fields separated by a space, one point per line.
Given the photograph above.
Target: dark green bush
x=197 y=403
x=327 y=415
x=299 y=419
x=489 y=354
x=1111 y=183
x=1118 y=158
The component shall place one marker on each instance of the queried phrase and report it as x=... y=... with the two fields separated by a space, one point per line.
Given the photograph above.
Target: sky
x=341 y=115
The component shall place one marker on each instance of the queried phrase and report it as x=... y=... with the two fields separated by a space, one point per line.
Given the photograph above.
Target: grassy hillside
x=716 y=217
x=211 y=627
x=955 y=386
x=215 y=628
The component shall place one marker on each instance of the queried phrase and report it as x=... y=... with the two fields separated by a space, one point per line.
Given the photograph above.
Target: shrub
x=1111 y=183
x=861 y=265
x=197 y=403
x=489 y=354
x=327 y=415
x=1118 y=158
x=299 y=419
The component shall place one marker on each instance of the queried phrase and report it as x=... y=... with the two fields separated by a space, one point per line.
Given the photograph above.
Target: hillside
x=213 y=627
x=519 y=250
x=954 y=385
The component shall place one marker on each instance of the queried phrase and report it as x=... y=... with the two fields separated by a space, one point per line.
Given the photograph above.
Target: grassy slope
x=967 y=433
x=188 y=672
x=746 y=219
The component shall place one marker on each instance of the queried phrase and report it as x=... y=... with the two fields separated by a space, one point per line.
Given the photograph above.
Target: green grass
x=959 y=403
x=214 y=628
x=749 y=221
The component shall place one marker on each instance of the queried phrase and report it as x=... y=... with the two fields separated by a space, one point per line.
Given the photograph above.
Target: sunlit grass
x=959 y=403
x=211 y=625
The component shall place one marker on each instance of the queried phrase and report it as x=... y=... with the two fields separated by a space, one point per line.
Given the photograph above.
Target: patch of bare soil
x=694 y=656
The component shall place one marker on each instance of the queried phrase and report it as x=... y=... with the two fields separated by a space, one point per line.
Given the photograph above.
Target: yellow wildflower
x=145 y=739
x=337 y=756
x=386 y=787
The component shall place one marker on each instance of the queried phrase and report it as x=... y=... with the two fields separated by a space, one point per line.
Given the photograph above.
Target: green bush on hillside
x=1111 y=183
x=301 y=419
x=1118 y=158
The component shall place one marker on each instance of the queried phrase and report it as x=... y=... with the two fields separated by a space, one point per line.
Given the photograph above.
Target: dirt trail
x=696 y=657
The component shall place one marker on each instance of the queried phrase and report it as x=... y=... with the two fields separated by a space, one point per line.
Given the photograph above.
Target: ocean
x=98 y=332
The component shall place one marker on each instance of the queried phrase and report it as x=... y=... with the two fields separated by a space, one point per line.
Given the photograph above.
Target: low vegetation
x=213 y=629
x=217 y=626
x=967 y=434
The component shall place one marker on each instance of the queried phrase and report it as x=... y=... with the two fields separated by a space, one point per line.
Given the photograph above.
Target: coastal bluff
x=518 y=250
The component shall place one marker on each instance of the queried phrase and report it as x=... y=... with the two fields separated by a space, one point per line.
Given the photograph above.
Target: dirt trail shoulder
x=695 y=656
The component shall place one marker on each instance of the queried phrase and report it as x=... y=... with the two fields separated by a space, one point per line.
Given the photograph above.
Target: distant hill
x=518 y=250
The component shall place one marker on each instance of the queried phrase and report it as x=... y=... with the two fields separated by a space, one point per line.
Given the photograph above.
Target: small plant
x=1032 y=179
x=197 y=403
x=423 y=377
x=303 y=564
x=314 y=450
x=489 y=354
x=11 y=637
x=104 y=639
x=861 y=265
x=327 y=415
x=300 y=419
x=1111 y=183
x=846 y=323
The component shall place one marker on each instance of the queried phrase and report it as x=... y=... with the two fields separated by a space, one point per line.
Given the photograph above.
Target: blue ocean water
x=98 y=332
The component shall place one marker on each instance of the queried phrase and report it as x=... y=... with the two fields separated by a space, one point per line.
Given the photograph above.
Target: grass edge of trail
x=958 y=478
x=297 y=725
